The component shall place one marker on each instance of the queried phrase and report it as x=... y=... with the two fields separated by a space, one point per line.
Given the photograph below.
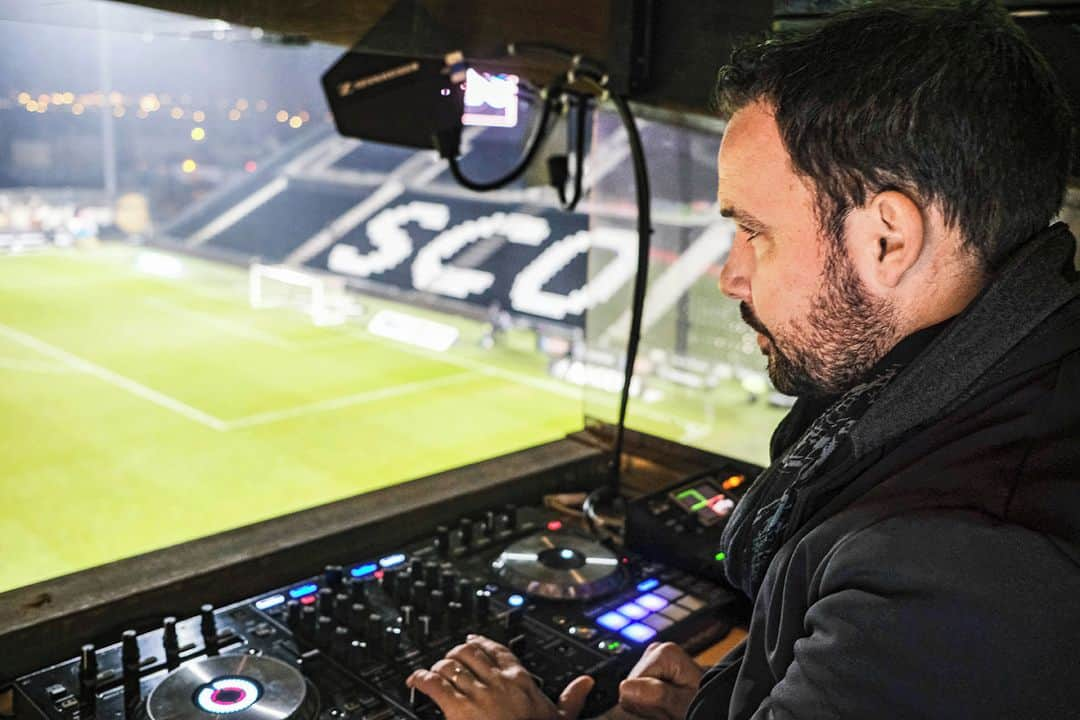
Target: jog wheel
x=242 y=687
x=560 y=567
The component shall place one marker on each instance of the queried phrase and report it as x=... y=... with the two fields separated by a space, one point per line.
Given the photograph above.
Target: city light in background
x=123 y=110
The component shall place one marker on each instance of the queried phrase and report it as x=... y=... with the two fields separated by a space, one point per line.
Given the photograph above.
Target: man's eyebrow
x=742 y=217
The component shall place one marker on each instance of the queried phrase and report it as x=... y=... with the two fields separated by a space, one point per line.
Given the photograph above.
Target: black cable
x=644 y=228
x=448 y=145
x=579 y=153
x=593 y=73
x=558 y=165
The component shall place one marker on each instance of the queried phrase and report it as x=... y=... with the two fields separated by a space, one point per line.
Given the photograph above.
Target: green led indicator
x=720 y=556
x=700 y=501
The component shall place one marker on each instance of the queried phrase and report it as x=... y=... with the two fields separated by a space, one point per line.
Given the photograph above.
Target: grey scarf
x=758 y=526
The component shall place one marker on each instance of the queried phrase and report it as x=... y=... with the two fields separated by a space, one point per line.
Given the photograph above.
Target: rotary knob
x=339 y=643
x=208 y=628
x=332 y=576
x=391 y=641
x=358 y=614
x=444 y=542
x=420 y=594
x=170 y=643
x=88 y=671
x=326 y=601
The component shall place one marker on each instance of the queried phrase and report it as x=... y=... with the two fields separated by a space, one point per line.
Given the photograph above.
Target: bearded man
x=913 y=549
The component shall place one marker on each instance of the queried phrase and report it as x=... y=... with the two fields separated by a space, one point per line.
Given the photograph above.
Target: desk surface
x=710 y=656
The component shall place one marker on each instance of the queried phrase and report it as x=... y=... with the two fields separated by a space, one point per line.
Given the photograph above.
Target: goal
x=320 y=295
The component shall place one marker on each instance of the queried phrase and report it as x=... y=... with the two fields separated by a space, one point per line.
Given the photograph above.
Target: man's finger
x=499 y=653
x=436 y=687
x=459 y=676
x=475 y=659
x=572 y=699
x=648 y=697
x=667 y=661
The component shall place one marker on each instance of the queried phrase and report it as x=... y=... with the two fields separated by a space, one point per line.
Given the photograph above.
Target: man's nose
x=735 y=275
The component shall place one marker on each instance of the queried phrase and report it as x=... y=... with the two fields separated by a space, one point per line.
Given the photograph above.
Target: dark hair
x=945 y=101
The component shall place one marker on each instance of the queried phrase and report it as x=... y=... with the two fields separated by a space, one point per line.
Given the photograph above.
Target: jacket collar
x=1034 y=282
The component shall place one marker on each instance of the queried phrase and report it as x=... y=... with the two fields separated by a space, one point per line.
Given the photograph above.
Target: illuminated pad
x=638 y=632
x=227 y=695
x=612 y=621
x=652 y=602
x=632 y=611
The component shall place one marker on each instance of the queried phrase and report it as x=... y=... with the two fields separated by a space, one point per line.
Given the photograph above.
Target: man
x=913 y=550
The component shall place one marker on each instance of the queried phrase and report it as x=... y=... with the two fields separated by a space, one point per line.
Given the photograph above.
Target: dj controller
x=340 y=644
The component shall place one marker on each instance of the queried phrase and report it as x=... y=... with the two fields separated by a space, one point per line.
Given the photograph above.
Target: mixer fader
x=340 y=645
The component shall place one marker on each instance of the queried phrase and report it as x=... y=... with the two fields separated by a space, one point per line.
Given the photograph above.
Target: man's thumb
x=572 y=699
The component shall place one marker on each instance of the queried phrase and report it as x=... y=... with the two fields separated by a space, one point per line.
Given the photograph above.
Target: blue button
x=303 y=590
x=365 y=569
x=515 y=601
x=647 y=585
x=613 y=621
x=652 y=602
x=632 y=611
x=638 y=632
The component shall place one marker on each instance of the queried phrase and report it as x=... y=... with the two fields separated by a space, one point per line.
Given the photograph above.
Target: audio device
x=682 y=523
x=340 y=644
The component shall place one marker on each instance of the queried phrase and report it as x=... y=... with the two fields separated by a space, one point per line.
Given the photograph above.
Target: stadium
x=155 y=346
x=427 y=359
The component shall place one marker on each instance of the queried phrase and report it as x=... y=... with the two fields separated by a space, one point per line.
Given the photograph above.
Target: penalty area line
x=114 y=379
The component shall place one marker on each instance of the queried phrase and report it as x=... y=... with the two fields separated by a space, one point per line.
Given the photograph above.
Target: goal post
x=321 y=295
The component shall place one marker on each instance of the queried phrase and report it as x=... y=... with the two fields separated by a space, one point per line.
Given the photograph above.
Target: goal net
x=320 y=295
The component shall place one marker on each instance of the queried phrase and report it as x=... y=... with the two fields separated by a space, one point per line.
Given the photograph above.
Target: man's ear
x=886 y=238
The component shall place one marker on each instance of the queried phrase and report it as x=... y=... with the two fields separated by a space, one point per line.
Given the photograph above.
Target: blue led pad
x=638 y=632
x=647 y=585
x=652 y=602
x=612 y=621
x=632 y=611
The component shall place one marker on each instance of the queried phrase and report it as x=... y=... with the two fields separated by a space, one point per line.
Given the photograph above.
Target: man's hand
x=661 y=685
x=482 y=680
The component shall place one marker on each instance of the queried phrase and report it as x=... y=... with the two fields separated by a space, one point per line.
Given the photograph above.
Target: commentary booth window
x=213 y=300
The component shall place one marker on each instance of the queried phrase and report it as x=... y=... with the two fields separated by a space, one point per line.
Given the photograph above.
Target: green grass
x=138 y=412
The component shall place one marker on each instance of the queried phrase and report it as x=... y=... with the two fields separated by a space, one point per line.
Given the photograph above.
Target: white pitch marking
x=554 y=387
x=347 y=401
x=32 y=367
x=115 y=379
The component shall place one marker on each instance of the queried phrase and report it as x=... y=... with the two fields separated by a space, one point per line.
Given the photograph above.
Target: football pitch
x=140 y=411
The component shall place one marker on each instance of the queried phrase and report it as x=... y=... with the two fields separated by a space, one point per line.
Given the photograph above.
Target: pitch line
x=16 y=365
x=347 y=401
x=555 y=387
x=114 y=379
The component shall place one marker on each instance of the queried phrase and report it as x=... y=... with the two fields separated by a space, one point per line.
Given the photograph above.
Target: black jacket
x=940 y=577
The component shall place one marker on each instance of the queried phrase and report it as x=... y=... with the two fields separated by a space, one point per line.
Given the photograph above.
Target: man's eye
x=750 y=234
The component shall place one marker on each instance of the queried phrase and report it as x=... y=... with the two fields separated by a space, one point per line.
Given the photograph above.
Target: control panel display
x=704 y=501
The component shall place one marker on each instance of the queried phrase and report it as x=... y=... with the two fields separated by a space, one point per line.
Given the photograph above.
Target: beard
x=845 y=334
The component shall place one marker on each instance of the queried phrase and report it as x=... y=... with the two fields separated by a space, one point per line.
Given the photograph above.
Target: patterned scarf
x=760 y=523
